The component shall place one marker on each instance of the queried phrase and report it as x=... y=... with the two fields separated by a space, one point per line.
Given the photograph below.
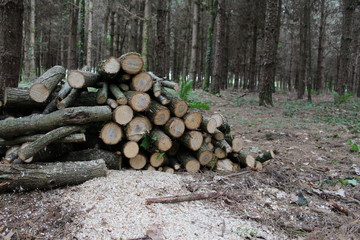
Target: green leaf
x=160 y=156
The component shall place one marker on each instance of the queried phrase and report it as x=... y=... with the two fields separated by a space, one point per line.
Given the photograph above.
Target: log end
x=138 y=162
x=175 y=127
x=219 y=119
x=76 y=79
x=142 y=82
x=123 y=114
x=157 y=159
x=161 y=117
x=140 y=101
x=111 y=66
x=180 y=108
x=131 y=63
x=111 y=133
x=193 y=120
x=39 y=92
x=131 y=149
x=205 y=157
x=211 y=126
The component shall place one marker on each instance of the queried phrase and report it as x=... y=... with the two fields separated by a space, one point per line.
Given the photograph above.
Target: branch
x=182 y=198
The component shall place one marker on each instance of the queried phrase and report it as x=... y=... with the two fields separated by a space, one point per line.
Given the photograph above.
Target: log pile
x=118 y=117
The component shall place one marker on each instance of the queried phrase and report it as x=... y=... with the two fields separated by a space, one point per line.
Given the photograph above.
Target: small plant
x=340 y=99
x=185 y=94
x=354 y=147
x=148 y=142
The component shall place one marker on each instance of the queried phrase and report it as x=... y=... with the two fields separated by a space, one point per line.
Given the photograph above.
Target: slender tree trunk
x=265 y=94
x=349 y=7
x=309 y=52
x=161 y=42
x=89 y=35
x=73 y=21
x=11 y=18
x=302 y=53
x=252 y=79
x=194 y=43
x=112 y=32
x=319 y=81
x=82 y=34
x=32 y=40
x=134 y=27
x=146 y=34
x=219 y=49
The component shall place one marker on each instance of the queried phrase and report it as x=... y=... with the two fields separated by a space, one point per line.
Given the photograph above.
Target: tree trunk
x=89 y=35
x=81 y=43
x=161 y=41
x=11 y=18
x=319 y=81
x=21 y=177
x=73 y=21
x=146 y=34
x=194 y=43
x=32 y=39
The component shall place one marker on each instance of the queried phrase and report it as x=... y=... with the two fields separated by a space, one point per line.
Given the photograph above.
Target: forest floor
x=309 y=191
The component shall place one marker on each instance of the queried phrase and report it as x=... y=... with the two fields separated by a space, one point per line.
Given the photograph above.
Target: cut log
x=158 y=159
x=141 y=82
x=123 y=114
x=130 y=149
x=192 y=140
x=22 y=177
x=163 y=100
x=69 y=99
x=162 y=142
x=172 y=85
x=157 y=88
x=259 y=166
x=182 y=198
x=49 y=153
x=218 y=135
x=219 y=119
x=225 y=127
x=223 y=145
x=265 y=156
x=177 y=106
x=82 y=79
x=236 y=143
x=204 y=154
x=52 y=106
x=32 y=148
x=157 y=113
x=190 y=163
x=112 y=160
x=137 y=128
x=174 y=149
x=102 y=94
x=208 y=125
x=73 y=138
x=112 y=103
x=193 y=119
x=226 y=165
x=168 y=170
x=138 y=101
x=131 y=63
x=44 y=122
x=124 y=87
x=118 y=94
x=175 y=127
x=244 y=159
x=15 y=98
x=11 y=154
x=109 y=67
x=149 y=168
x=46 y=83
x=111 y=133
x=207 y=138
x=138 y=162
x=220 y=153
x=173 y=162
x=125 y=77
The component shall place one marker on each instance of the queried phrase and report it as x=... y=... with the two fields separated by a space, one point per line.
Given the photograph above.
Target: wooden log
x=142 y=82
x=32 y=148
x=118 y=94
x=149 y=168
x=22 y=177
x=82 y=79
x=225 y=127
x=218 y=135
x=137 y=128
x=157 y=113
x=193 y=119
x=111 y=133
x=173 y=162
x=168 y=170
x=236 y=143
x=112 y=160
x=69 y=99
x=130 y=149
x=163 y=100
x=183 y=198
x=11 y=154
x=44 y=122
x=219 y=118
x=204 y=154
x=85 y=99
x=46 y=83
x=112 y=103
x=162 y=142
x=172 y=85
x=138 y=162
x=219 y=152
x=207 y=138
x=192 y=140
x=73 y=138
x=174 y=149
x=125 y=77
x=177 y=106
x=102 y=94
x=258 y=166
x=15 y=98
x=123 y=114
x=124 y=87
x=265 y=156
x=175 y=127
x=52 y=106
x=244 y=159
x=109 y=67
x=131 y=63
x=226 y=165
x=190 y=163
x=157 y=88
x=223 y=145
x=208 y=125
x=158 y=159
x=138 y=101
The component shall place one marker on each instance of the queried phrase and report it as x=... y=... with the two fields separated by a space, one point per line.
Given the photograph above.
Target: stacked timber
x=66 y=130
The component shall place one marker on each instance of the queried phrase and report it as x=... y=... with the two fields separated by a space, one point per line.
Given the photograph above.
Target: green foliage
x=148 y=142
x=160 y=155
x=354 y=147
x=186 y=94
x=340 y=99
x=185 y=89
x=343 y=181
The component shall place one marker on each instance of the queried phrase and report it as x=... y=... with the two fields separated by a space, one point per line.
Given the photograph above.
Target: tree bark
x=319 y=82
x=161 y=38
x=82 y=79
x=146 y=34
x=89 y=35
x=73 y=21
x=190 y=163
x=157 y=113
x=194 y=43
x=177 y=106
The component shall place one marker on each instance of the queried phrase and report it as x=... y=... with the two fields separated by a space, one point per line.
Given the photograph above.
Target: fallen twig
x=340 y=208
x=182 y=198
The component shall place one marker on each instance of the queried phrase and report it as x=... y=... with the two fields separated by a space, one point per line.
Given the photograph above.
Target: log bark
x=174 y=149
x=73 y=138
x=162 y=142
x=182 y=198
x=10 y=128
x=208 y=125
x=22 y=177
x=46 y=83
x=157 y=88
x=112 y=103
x=244 y=159
x=102 y=94
x=193 y=119
x=131 y=63
x=82 y=79
x=69 y=99
x=265 y=156
x=175 y=127
x=177 y=106
x=223 y=145
x=192 y=140
x=130 y=149
x=172 y=85
x=123 y=114
x=112 y=160
x=11 y=154
x=124 y=87
x=138 y=162
x=204 y=154
x=16 y=98
x=137 y=128
x=157 y=113
x=109 y=67
x=218 y=135
x=32 y=148
x=138 y=101
x=219 y=119
x=111 y=133
x=52 y=106
x=85 y=99
x=118 y=94
x=190 y=163
x=141 y=82
x=158 y=159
